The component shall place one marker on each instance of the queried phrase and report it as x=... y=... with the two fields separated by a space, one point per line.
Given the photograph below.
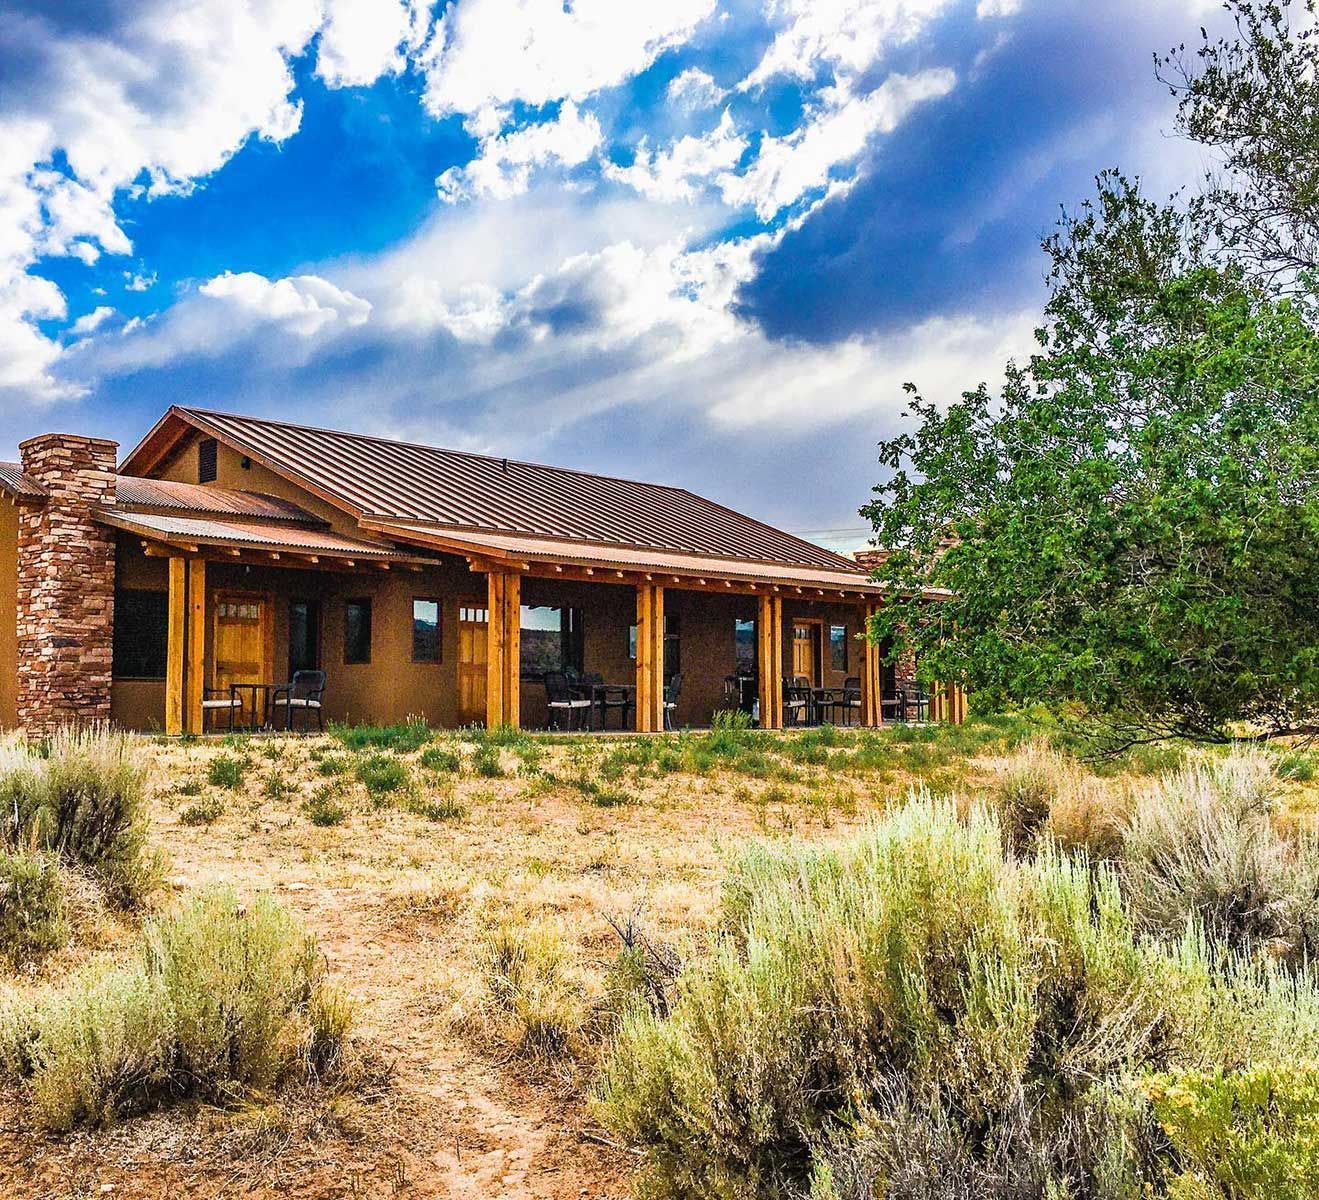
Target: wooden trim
x=196 y=652
x=503 y=690
x=650 y=658
x=512 y=651
x=177 y=626
x=872 y=678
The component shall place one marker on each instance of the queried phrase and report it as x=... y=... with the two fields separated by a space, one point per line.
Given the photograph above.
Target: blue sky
x=703 y=242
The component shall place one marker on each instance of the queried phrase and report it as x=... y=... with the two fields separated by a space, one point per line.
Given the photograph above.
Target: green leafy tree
x=1130 y=524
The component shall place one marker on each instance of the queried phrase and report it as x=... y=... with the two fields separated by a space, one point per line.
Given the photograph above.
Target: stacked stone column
x=66 y=574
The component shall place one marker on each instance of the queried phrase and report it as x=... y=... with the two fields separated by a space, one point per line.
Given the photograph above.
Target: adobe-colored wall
x=8 y=613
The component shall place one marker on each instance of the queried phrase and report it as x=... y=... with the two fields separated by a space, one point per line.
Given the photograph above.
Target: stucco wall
x=8 y=612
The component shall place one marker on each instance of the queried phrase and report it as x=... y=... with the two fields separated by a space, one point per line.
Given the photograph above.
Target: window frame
x=364 y=602
x=835 y=645
x=439 y=630
x=572 y=641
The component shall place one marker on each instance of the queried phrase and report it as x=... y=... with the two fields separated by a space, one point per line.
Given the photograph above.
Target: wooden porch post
x=196 y=668
x=650 y=658
x=769 y=661
x=872 y=677
x=176 y=625
x=503 y=695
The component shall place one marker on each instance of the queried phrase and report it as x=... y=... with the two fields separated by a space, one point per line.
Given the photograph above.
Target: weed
x=441 y=758
x=226 y=771
x=440 y=806
x=382 y=774
x=205 y=811
x=333 y=764
x=277 y=785
x=324 y=806
x=486 y=762
x=532 y=986
x=403 y=738
x=188 y=787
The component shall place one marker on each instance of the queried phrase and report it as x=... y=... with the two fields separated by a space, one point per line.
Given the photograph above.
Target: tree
x=1130 y=525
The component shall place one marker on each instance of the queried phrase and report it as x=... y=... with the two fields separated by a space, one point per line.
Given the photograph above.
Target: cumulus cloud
x=504 y=165
x=364 y=39
x=489 y=53
x=694 y=89
x=687 y=165
x=90 y=322
x=790 y=167
x=843 y=36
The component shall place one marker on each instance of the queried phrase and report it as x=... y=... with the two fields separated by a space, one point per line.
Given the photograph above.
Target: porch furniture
x=257 y=703
x=672 y=690
x=893 y=705
x=824 y=703
x=564 y=701
x=850 y=703
x=917 y=705
x=797 y=704
x=302 y=695
x=215 y=701
x=618 y=697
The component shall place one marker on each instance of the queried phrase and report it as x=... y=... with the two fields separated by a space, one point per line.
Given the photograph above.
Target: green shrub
x=916 y=975
x=227 y=998
x=442 y=758
x=1299 y=766
x=323 y=807
x=383 y=774
x=85 y=801
x=603 y=796
x=486 y=762
x=1249 y=1135
x=226 y=771
x=439 y=806
x=404 y=738
x=277 y=785
x=31 y=906
x=206 y=811
x=333 y=764
x=1202 y=843
x=533 y=987
x=1028 y=784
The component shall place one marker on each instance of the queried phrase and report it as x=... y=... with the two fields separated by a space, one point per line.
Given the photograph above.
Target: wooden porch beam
x=174 y=656
x=769 y=661
x=872 y=678
x=503 y=649
x=650 y=658
x=196 y=653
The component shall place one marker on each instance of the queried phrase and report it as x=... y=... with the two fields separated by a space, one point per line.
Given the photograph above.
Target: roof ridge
x=494 y=458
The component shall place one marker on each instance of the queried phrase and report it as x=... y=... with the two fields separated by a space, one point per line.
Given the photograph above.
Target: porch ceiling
x=185 y=533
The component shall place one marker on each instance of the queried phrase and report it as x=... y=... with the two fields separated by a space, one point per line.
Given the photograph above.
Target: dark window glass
x=551 y=639
x=357 y=631
x=304 y=636
x=744 y=646
x=207 y=460
x=141 y=635
x=838 y=647
x=425 y=630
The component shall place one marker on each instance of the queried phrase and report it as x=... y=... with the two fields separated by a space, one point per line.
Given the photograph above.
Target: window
x=304 y=636
x=473 y=616
x=744 y=646
x=838 y=647
x=425 y=630
x=672 y=652
x=357 y=631
x=141 y=635
x=551 y=639
x=207 y=460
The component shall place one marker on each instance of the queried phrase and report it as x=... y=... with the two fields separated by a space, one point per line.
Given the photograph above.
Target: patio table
x=258 y=690
x=823 y=698
x=599 y=692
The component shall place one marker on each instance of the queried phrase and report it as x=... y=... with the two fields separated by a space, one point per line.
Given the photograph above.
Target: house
x=225 y=553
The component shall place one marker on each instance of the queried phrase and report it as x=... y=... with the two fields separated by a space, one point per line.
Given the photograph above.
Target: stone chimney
x=66 y=573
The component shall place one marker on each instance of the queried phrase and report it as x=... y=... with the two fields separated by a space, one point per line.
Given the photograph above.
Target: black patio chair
x=218 y=700
x=917 y=705
x=672 y=690
x=564 y=701
x=303 y=694
x=615 y=697
x=847 y=707
x=798 y=703
x=893 y=705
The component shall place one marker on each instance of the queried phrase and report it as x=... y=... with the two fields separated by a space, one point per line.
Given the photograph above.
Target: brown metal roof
x=246 y=535
x=398 y=481
x=169 y=496
x=15 y=483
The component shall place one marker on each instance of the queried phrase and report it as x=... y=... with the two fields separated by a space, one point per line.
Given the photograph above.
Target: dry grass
x=405 y=889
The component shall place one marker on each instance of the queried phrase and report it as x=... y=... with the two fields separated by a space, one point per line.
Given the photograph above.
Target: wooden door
x=473 y=633
x=805 y=651
x=241 y=642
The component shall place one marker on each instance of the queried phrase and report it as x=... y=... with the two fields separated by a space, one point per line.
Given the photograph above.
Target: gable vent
x=206 y=460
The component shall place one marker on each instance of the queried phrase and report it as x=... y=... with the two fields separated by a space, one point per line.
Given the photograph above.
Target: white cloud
x=997 y=8
x=301 y=304
x=788 y=168
x=89 y=322
x=694 y=89
x=845 y=36
x=505 y=162
x=688 y=164
x=139 y=281
x=490 y=53
x=364 y=39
